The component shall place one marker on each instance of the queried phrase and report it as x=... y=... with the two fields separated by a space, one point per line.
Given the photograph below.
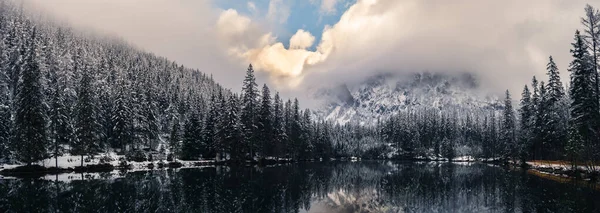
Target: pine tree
x=591 y=23
x=233 y=134
x=30 y=137
x=556 y=134
x=584 y=106
x=190 y=147
x=265 y=124
x=249 y=111
x=175 y=139
x=87 y=128
x=122 y=131
x=279 y=136
x=222 y=122
x=508 y=128
x=209 y=130
x=296 y=130
x=526 y=115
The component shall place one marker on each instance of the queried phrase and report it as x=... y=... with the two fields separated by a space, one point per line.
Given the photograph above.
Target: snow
x=558 y=166
x=382 y=96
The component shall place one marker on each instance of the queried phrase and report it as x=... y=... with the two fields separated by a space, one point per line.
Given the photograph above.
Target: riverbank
x=590 y=173
x=107 y=163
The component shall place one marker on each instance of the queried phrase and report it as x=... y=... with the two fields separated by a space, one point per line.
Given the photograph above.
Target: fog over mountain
x=504 y=42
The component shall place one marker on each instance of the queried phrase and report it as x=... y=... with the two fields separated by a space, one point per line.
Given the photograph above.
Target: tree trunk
x=81 y=160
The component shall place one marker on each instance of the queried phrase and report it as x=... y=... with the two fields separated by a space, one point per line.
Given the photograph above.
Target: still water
x=307 y=187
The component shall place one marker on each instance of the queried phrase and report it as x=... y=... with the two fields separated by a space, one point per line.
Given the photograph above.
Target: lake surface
x=306 y=187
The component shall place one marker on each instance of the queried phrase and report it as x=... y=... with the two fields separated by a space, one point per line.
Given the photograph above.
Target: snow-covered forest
x=68 y=92
x=63 y=91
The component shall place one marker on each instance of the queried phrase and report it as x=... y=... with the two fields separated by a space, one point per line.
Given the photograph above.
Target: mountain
x=383 y=95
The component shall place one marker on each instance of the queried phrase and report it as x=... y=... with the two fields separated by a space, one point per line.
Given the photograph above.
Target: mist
x=504 y=43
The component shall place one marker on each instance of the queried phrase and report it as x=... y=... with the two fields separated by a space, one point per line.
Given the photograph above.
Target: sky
x=297 y=45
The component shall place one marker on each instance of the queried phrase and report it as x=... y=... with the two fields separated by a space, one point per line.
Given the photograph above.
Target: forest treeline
x=63 y=91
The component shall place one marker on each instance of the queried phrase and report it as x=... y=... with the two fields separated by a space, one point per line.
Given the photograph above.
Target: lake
x=305 y=187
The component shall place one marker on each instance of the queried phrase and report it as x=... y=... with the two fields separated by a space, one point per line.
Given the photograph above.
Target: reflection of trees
x=316 y=187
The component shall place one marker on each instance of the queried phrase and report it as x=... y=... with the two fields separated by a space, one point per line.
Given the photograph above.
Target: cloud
x=252 y=7
x=504 y=43
x=301 y=40
x=278 y=12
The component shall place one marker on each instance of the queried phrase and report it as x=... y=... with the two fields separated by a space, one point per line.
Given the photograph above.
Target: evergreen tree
x=265 y=124
x=87 y=128
x=30 y=137
x=249 y=111
x=584 y=106
x=122 y=132
x=175 y=139
x=209 y=130
x=591 y=37
x=526 y=114
x=192 y=141
x=296 y=130
x=555 y=133
x=232 y=129
x=508 y=128
x=279 y=133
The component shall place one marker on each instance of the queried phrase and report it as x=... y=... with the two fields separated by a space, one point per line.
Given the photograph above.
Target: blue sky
x=304 y=14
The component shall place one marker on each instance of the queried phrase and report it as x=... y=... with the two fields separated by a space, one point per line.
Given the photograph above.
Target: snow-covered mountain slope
x=383 y=95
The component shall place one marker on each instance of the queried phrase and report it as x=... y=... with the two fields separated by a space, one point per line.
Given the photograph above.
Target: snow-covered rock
x=384 y=95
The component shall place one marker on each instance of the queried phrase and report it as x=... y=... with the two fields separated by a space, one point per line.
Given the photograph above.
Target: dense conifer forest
x=63 y=91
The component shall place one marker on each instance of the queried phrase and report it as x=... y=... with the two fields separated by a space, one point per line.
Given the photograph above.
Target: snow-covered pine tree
x=591 y=37
x=122 y=131
x=191 y=144
x=556 y=134
x=87 y=127
x=209 y=130
x=584 y=106
x=265 y=124
x=175 y=139
x=30 y=134
x=232 y=129
x=249 y=111
x=508 y=128
x=279 y=136
x=526 y=124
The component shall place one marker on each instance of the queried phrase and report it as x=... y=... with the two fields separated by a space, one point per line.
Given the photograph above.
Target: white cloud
x=327 y=7
x=504 y=42
x=278 y=12
x=252 y=7
x=301 y=40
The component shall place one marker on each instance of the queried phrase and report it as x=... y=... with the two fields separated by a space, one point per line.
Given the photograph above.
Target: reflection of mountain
x=384 y=95
x=365 y=200
x=338 y=187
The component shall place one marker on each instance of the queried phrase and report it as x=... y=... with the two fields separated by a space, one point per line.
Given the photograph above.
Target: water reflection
x=311 y=187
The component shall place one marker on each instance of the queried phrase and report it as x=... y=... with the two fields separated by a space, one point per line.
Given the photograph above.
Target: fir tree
x=175 y=139
x=526 y=115
x=508 y=128
x=122 y=131
x=30 y=138
x=556 y=134
x=591 y=37
x=249 y=111
x=191 y=144
x=265 y=124
x=87 y=128
x=233 y=130
x=209 y=130
x=584 y=106
x=279 y=136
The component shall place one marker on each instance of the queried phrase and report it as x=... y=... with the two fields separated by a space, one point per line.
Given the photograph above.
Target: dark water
x=310 y=187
